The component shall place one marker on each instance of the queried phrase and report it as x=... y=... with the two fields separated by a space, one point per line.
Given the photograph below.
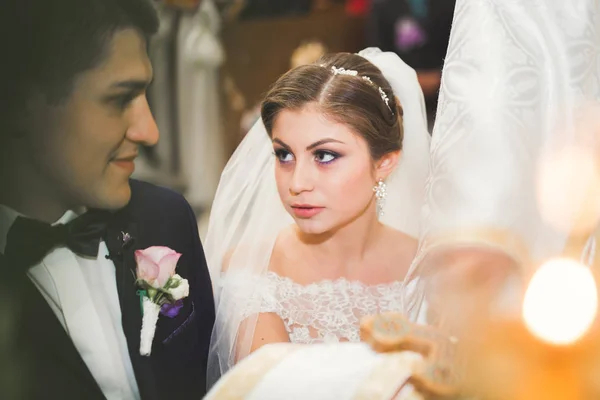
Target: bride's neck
x=347 y=246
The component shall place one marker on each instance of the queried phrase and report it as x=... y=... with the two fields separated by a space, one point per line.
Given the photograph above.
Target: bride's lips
x=306 y=210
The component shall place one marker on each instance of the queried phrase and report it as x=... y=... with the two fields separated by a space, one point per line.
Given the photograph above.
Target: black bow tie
x=29 y=241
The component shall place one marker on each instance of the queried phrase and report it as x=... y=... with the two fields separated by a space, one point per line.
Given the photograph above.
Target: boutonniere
x=161 y=289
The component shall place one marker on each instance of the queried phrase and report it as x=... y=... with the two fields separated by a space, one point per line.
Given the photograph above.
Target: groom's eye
x=123 y=101
x=283 y=156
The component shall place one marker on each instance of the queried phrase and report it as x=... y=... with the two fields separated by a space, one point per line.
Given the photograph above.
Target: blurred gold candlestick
x=513 y=364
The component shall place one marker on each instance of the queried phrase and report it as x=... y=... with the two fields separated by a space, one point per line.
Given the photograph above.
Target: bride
x=315 y=220
x=520 y=86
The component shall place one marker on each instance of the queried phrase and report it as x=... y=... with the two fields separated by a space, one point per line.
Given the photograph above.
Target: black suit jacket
x=41 y=358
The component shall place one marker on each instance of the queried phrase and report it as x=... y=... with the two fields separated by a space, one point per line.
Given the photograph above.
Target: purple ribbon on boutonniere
x=171 y=310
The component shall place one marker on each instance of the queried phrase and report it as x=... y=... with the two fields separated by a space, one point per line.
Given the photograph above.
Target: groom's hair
x=46 y=44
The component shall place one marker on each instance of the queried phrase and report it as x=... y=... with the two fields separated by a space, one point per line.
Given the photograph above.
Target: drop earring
x=380 y=194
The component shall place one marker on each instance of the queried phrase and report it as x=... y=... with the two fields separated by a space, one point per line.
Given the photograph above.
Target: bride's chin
x=318 y=229
x=310 y=227
x=314 y=232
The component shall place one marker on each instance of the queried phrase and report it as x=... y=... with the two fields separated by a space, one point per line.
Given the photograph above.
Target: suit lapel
x=38 y=313
x=50 y=357
x=131 y=318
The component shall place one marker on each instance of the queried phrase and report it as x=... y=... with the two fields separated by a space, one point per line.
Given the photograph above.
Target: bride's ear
x=386 y=164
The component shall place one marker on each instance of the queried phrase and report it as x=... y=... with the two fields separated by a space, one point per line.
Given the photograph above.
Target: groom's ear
x=386 y=164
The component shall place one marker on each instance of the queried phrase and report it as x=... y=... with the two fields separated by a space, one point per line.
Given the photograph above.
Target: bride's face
x=324 y=171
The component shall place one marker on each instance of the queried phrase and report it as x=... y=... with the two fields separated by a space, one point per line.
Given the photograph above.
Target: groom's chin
x=111 y=196
x=120 y=197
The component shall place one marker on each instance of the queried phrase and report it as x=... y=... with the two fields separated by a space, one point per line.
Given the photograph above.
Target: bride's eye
x=284 y=156
x=325 y=157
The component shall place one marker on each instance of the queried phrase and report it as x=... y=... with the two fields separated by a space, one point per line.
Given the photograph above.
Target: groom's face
x=84 y=146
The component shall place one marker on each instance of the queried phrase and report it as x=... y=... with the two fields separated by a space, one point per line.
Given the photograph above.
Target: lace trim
x=324 y=311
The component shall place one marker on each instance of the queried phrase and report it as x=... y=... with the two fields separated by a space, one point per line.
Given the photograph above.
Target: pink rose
x=156 y=264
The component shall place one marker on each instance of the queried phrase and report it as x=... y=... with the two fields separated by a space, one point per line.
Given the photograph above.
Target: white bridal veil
x=514 y=154
x=247 y=214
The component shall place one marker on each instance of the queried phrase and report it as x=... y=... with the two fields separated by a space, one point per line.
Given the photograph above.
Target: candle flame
x=561 y=301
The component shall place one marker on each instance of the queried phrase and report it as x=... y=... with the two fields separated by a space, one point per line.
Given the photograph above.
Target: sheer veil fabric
x=514 y=154
x=247 y=214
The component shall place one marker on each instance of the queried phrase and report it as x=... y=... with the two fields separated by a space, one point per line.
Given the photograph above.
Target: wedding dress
x=327 y=311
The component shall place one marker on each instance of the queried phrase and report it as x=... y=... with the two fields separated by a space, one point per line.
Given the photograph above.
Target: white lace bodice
x=325 y=311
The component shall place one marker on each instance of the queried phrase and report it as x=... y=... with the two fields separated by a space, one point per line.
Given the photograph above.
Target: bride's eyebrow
x=321 y=142
x=310 y=146
x=281 y=143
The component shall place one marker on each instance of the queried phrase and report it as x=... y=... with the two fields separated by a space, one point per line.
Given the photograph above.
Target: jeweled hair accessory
x=344 y=71
x=351 y=72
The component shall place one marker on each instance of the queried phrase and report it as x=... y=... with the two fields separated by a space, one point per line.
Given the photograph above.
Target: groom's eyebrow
x=136 y=85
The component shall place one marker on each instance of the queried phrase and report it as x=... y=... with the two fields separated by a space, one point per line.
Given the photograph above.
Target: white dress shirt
x=83 y=294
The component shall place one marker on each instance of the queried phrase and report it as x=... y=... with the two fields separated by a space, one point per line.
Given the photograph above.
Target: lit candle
x=559 y=307
x=561 y=302
x=551 y=352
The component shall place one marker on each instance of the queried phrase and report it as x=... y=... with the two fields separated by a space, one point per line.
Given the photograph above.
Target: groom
x=74 y=76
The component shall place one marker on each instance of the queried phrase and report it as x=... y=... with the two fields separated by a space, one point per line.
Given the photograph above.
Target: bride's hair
x=347 y=89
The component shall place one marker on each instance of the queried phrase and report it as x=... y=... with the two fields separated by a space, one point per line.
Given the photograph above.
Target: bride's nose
x=302 y=179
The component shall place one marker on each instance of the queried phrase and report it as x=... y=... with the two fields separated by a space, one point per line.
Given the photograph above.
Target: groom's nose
x=142 y=126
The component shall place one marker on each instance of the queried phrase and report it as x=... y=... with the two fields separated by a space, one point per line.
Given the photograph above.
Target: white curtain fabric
x=199 y=56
